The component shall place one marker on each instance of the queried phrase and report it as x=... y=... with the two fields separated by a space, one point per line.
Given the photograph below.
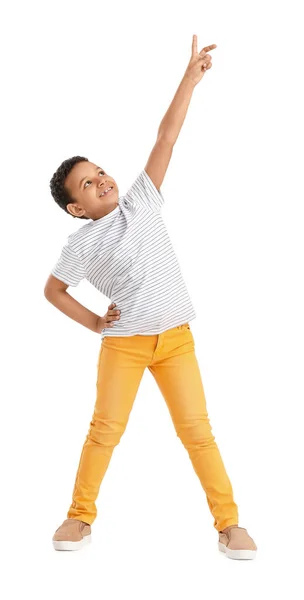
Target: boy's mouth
x=107 y=191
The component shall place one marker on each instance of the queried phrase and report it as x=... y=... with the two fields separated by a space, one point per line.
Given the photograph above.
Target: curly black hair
x=58 y=191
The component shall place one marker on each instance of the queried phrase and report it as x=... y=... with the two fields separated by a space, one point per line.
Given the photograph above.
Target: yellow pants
x=170 y=357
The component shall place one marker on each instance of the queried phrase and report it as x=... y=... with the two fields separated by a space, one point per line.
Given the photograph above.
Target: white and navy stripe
x=128 y=256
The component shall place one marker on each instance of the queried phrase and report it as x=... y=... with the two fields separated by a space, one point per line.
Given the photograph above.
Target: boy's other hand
x=199 y=62
x=110 y=316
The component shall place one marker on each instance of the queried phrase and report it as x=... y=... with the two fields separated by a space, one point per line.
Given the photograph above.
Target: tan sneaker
x=236 y=543
x=72 y=535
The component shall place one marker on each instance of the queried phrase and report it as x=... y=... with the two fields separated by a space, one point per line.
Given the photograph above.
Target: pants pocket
x=184 y=326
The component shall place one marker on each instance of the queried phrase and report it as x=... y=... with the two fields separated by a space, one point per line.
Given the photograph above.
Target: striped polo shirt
x=128 y=256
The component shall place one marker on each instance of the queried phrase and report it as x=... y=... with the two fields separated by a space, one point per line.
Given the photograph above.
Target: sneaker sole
x=67 y=545
x=237 y=554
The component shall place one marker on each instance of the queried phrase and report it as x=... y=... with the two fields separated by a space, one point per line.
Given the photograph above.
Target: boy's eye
x=88 y=180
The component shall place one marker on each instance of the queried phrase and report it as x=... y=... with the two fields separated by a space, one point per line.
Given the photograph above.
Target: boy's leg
x=119 y=373
x=176 y=371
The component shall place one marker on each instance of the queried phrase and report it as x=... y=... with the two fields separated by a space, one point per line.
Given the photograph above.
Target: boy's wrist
x=100 y=323
x=188 y=80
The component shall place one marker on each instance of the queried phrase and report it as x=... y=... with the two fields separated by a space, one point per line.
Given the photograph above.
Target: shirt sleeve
x=144 y=192
x=69 y=267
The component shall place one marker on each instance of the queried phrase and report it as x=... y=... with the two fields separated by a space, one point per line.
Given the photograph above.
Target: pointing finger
x=194 y=45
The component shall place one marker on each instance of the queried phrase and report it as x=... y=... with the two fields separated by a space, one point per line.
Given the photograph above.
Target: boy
x=125 y=252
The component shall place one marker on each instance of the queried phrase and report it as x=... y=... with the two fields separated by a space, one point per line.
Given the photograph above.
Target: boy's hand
x=107 y=321
x=199 y=62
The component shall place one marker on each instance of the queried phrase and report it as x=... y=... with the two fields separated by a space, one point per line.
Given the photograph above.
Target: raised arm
x=172 y=122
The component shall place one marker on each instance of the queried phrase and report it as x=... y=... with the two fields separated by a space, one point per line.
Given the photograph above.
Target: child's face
x=85 y=183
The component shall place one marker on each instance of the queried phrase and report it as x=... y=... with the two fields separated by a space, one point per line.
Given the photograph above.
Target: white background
x=95 y=79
